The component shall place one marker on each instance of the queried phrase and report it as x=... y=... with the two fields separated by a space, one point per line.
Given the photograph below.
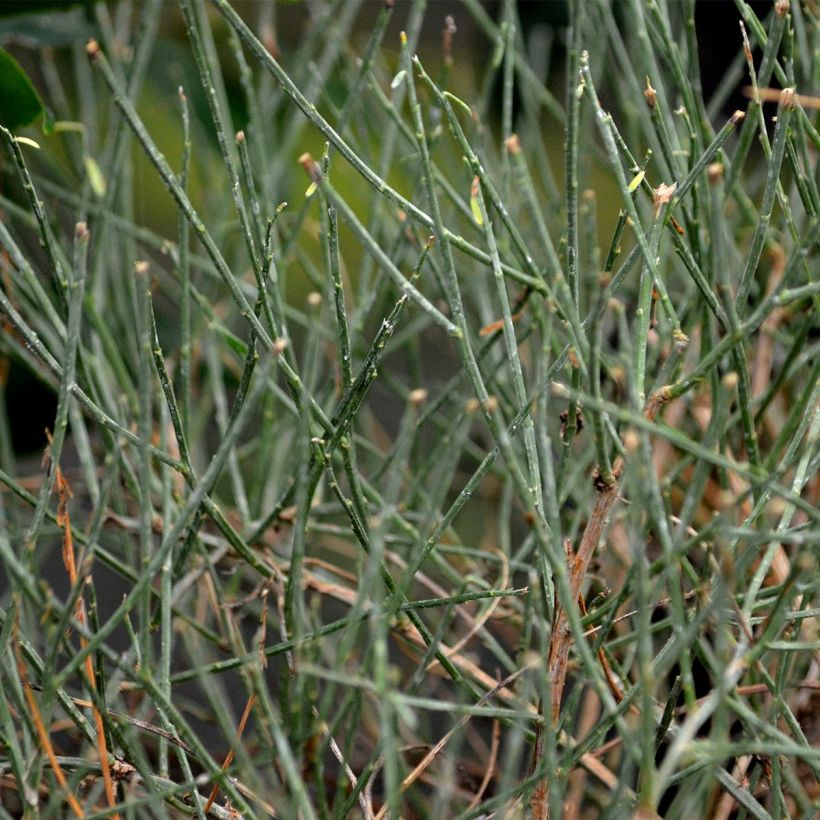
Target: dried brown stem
x=561 y=639
x=229 y=757
x=64 y=521
x=42 y=733
x=489 y=772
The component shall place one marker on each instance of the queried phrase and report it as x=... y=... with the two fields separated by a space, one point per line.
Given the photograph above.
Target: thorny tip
x=418 y=396
x=141 y=267
x=650 y=95
x=663 y=194
x=513 y=144
x=618 y=376
x=81 y=231
x=631 y=441
x=714 y=172
x=788 y=99
x=730 y=381
x=240 y=136
x=781 y=7
x=447 y=38
x=311 y=167
x=747 y=46
x=403 y=38
x=738 y=117
x=92 y=48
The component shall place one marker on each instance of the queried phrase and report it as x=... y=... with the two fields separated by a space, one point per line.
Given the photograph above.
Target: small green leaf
x=27 y=141
x=62 y=126
x=458 y=101
x=398 y=79
x=636 y=181
x=20 y=104
x=95 y=177
x=475 y=207
x=476 y=211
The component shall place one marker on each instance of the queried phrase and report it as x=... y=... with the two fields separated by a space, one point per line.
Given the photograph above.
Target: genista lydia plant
x=409 y=416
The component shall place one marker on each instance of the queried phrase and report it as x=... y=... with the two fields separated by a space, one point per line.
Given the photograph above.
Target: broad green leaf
x=20 y=104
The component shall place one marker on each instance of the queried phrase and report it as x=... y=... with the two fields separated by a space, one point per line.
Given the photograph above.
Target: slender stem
x=172 y=183
x=185 y=272
x=573 y=106
x=76 y=292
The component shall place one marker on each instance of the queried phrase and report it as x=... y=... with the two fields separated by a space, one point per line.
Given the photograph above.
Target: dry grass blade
x=229 y=757
x=43 y=735
x=69 y=560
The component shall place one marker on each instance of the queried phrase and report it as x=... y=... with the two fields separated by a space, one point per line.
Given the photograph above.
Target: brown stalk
x=139 y=724
x=69 y=559
x=609 y=675
x=229 y=757
x=498 y=324
x=433 y=753
x=489 y=772
x=42 y=732
x=561 y=639
x=774 y=94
